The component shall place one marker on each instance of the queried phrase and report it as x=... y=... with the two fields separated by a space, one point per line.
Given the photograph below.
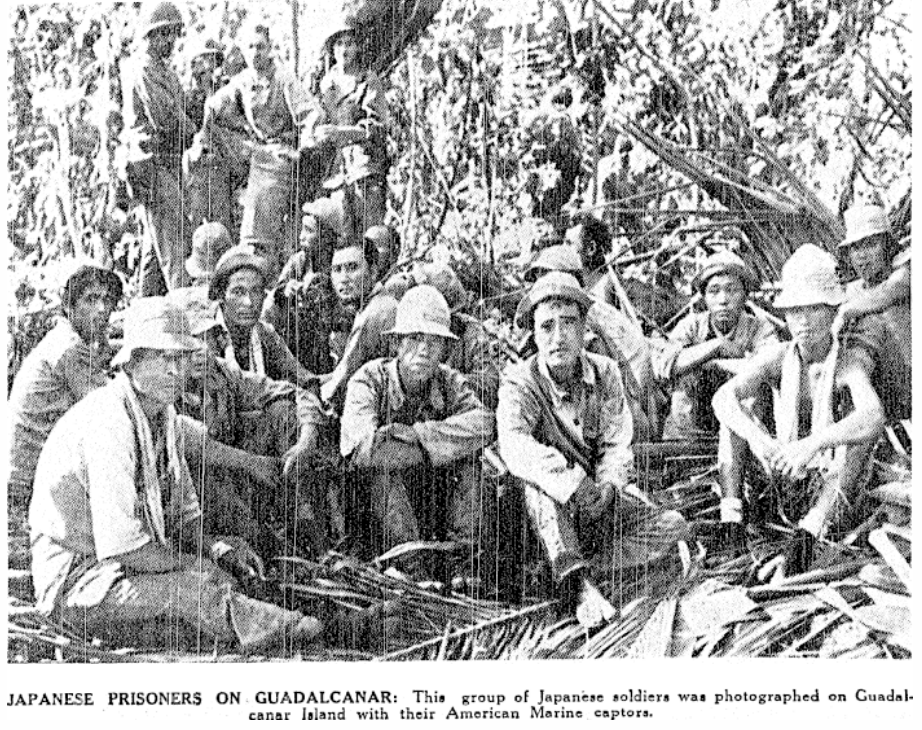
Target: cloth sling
x=255 y=348
x=150 y=481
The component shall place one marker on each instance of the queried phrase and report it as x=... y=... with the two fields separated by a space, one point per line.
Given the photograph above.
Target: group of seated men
x=150 y=475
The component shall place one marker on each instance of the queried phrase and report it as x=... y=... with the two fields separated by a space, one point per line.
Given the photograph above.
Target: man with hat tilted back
x=565 y=430
x=827 y=416
x=155 y=112
x=243 y=339
x=880 y=295
x=705 y=348
x=117 y=546
x=412 y=429
x=71 y=360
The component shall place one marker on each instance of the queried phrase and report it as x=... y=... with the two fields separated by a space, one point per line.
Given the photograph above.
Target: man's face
x=203 y=68
x=869 y=260
x=159 y=375
x=418 y=358
x=258 y=51
x=90 y=314
x=346 y=50
x=725 y=297
x=559 y=330
x=243 y=299
x=352 y=277
x=810 y=326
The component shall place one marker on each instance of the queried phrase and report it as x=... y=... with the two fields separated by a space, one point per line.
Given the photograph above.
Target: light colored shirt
x=556 y=442
x=56 y=374
x=274 y=105
x=87 y=501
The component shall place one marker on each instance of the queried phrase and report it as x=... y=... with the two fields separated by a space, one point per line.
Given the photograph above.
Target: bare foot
x=592 y=608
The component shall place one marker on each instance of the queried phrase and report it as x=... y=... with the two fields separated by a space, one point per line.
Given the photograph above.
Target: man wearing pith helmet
x=705 y=348
x=565 y=431
x=155 y=112
x=413 y=428
x=827 y=416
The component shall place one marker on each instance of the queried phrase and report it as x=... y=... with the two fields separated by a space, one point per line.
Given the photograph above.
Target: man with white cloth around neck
x=827 y=415
x=117 y=543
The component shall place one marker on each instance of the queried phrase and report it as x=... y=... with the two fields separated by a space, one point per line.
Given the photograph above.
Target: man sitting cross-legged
x=565 y=429
x=117 y=542
x=413 y=428
x=828 y=415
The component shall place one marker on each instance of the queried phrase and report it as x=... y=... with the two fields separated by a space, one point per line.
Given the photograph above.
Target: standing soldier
x=354 y=118
x=267 y=103
x=155 y=112
x=213 y=160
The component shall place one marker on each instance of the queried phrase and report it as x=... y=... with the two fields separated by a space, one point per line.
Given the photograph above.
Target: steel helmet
x=160 y=16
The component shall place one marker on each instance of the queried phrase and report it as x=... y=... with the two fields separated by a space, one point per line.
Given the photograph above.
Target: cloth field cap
x=201 y=311
x=724 y=262
x=808 y=278
x=154 y=323
x=241 y=256
x=423 y=310
x=160 y=16
x=209 y=243
x=560 y=257
x=862 y=221
x=555 y=285
x=443 y=278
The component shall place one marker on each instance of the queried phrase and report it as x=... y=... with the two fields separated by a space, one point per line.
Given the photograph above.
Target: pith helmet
x=808 y=278
x=561 y=257
x=863 y=221
x=725 y=262
x=154 y=323
x=160 y=16
x=443 y=278
x=555 y=285
x=423 y=310
x=209 y=243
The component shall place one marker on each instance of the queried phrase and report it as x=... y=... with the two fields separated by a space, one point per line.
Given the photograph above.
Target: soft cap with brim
x=560 y=257
x=555 y=285
x=154 y=323
x=809 y=278
x=864 y=221
x=241 y=256
x=424 y=311
x=724 y=262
